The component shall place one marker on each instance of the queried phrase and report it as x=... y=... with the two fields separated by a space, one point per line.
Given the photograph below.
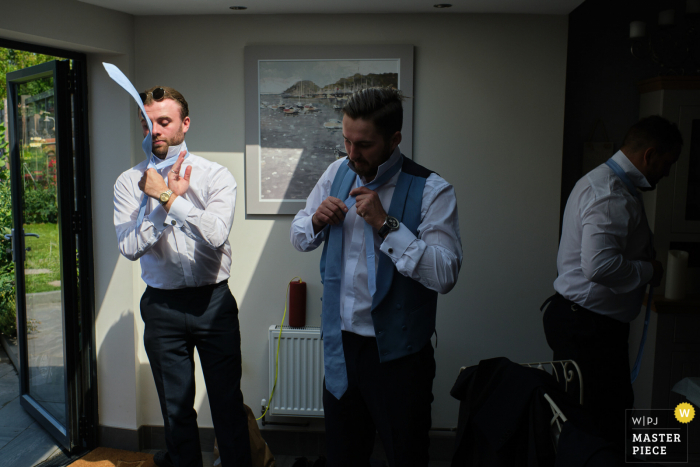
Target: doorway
x=45 y=163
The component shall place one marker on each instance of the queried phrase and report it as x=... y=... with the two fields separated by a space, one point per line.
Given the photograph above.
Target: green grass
x=44 y=254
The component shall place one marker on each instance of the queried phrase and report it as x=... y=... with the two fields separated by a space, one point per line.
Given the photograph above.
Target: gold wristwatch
x=165 y=197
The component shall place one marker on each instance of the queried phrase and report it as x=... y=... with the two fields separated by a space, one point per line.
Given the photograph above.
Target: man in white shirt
x=605 y=261
x=379 y=305
x=182 y=243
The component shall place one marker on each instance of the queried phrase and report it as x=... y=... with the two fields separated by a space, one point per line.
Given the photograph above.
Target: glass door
x=44 y=246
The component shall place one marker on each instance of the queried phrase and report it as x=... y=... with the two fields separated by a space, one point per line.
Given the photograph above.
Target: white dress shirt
x=433 y=258
x=188 y=246
x=606 y=244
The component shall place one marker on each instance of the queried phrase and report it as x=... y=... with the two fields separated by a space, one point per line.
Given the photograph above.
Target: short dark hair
x=381 y=106
x=172 y=94
x=654 y=131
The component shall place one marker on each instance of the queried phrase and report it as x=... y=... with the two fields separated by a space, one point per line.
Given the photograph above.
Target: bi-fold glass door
x=48 y=201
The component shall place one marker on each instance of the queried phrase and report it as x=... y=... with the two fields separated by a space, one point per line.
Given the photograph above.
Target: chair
x=567 y=373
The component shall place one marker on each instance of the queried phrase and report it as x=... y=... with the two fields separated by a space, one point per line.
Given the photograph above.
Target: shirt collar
x=173 y=151
x=635 y=176
x=386 y=165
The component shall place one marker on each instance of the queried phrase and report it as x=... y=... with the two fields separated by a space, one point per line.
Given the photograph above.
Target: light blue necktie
x=632 y=189
x=147 y=144
x=333 y=355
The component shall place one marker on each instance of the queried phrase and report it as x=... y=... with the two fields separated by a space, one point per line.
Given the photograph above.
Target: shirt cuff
x=157 y=216
x=311 y=237
x=647 y=272
x=178 y=212
x=397 y=242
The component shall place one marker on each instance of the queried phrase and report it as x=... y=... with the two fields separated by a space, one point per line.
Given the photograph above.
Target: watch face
x=164 y=197
x=392 y=222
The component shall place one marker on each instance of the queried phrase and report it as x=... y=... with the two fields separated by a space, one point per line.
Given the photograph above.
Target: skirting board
x=281 y=442
x=146 y=437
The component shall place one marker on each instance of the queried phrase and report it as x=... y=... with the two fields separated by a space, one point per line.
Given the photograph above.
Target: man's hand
x=152 y=183
x=330 y=212
x=369 y=207
x=658 y=273
x=179 y=184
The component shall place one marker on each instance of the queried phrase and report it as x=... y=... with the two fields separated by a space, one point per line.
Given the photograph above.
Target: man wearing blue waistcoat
x=379 y=303
x=606 y=260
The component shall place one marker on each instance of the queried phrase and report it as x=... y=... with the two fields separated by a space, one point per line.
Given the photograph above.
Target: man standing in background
x=606 y=259
x=182 y=242
x=392 y=244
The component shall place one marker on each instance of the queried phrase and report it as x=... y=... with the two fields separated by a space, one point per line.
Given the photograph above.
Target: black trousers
x=599 y=346
x=391 y=398
x=177 y=321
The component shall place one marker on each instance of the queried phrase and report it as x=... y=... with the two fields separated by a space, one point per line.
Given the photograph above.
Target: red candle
x=297 y=304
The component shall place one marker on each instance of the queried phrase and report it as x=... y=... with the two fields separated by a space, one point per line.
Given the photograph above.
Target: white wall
x=489 y=109
x=104 y=35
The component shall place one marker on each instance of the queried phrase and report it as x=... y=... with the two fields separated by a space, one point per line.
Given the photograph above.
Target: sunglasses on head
x=157 y=94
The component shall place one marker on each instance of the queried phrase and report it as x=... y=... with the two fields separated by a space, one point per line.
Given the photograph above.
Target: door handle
x=11 y=236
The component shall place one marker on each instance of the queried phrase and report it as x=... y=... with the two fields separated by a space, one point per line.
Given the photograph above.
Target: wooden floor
x=286 y=461
x=23 y=442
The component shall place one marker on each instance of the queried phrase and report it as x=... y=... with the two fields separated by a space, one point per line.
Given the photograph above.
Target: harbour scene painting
x=300 y=118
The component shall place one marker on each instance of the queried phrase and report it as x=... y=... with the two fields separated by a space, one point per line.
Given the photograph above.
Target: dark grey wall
x=602 y=75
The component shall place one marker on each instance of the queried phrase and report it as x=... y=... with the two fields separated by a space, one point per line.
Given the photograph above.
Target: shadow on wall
x=119 y=367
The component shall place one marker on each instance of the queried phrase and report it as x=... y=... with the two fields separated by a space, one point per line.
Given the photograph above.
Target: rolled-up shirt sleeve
x=210 y=225
x=606 y=226
x=434 y=256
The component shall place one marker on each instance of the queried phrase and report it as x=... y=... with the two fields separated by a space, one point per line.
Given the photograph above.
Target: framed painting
x=293 y=112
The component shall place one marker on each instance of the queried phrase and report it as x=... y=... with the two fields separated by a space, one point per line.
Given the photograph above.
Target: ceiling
x=269 y=7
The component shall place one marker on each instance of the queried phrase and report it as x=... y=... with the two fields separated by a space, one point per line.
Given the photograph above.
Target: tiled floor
x=23 y=442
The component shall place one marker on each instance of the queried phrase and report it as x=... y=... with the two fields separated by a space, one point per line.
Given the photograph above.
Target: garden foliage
x=7 y=268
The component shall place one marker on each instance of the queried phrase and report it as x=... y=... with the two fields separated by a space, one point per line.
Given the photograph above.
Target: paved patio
x=23 y=442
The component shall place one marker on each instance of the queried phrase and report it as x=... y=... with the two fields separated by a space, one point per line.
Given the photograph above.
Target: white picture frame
x=288 y=147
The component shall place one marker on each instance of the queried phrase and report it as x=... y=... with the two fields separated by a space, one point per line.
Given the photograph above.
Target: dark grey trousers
x=177 y=321
x=391 y=398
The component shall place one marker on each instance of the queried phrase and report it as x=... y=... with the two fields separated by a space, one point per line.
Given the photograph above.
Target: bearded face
x=168 y=126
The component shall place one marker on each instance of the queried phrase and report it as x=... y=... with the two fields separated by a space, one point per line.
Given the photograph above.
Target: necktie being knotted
x=632 y=189
x=333 y=355
x=147 y=143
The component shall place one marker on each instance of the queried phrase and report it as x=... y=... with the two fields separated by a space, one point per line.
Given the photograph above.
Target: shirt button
x=391 y=251
x=173 y=223
x=398 y=306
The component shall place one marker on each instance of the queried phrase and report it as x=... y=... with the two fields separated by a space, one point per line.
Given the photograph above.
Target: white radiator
x=299 y=391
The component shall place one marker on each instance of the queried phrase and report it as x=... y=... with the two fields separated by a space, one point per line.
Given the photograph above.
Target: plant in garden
x=7 y=268
x=12 y=60
x=40 y=206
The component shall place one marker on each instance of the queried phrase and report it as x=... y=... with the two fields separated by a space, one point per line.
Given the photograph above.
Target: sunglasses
x=157 y=94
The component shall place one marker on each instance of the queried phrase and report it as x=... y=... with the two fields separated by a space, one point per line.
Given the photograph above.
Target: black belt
x=558 y=296
x=189 y=291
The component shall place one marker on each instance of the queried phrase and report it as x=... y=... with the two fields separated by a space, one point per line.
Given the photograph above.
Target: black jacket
x=504 y=419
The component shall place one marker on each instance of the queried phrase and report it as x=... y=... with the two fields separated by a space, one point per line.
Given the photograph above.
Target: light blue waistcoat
x=403 y=310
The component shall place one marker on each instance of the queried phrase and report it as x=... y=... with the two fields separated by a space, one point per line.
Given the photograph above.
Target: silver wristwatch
x=390 y=224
